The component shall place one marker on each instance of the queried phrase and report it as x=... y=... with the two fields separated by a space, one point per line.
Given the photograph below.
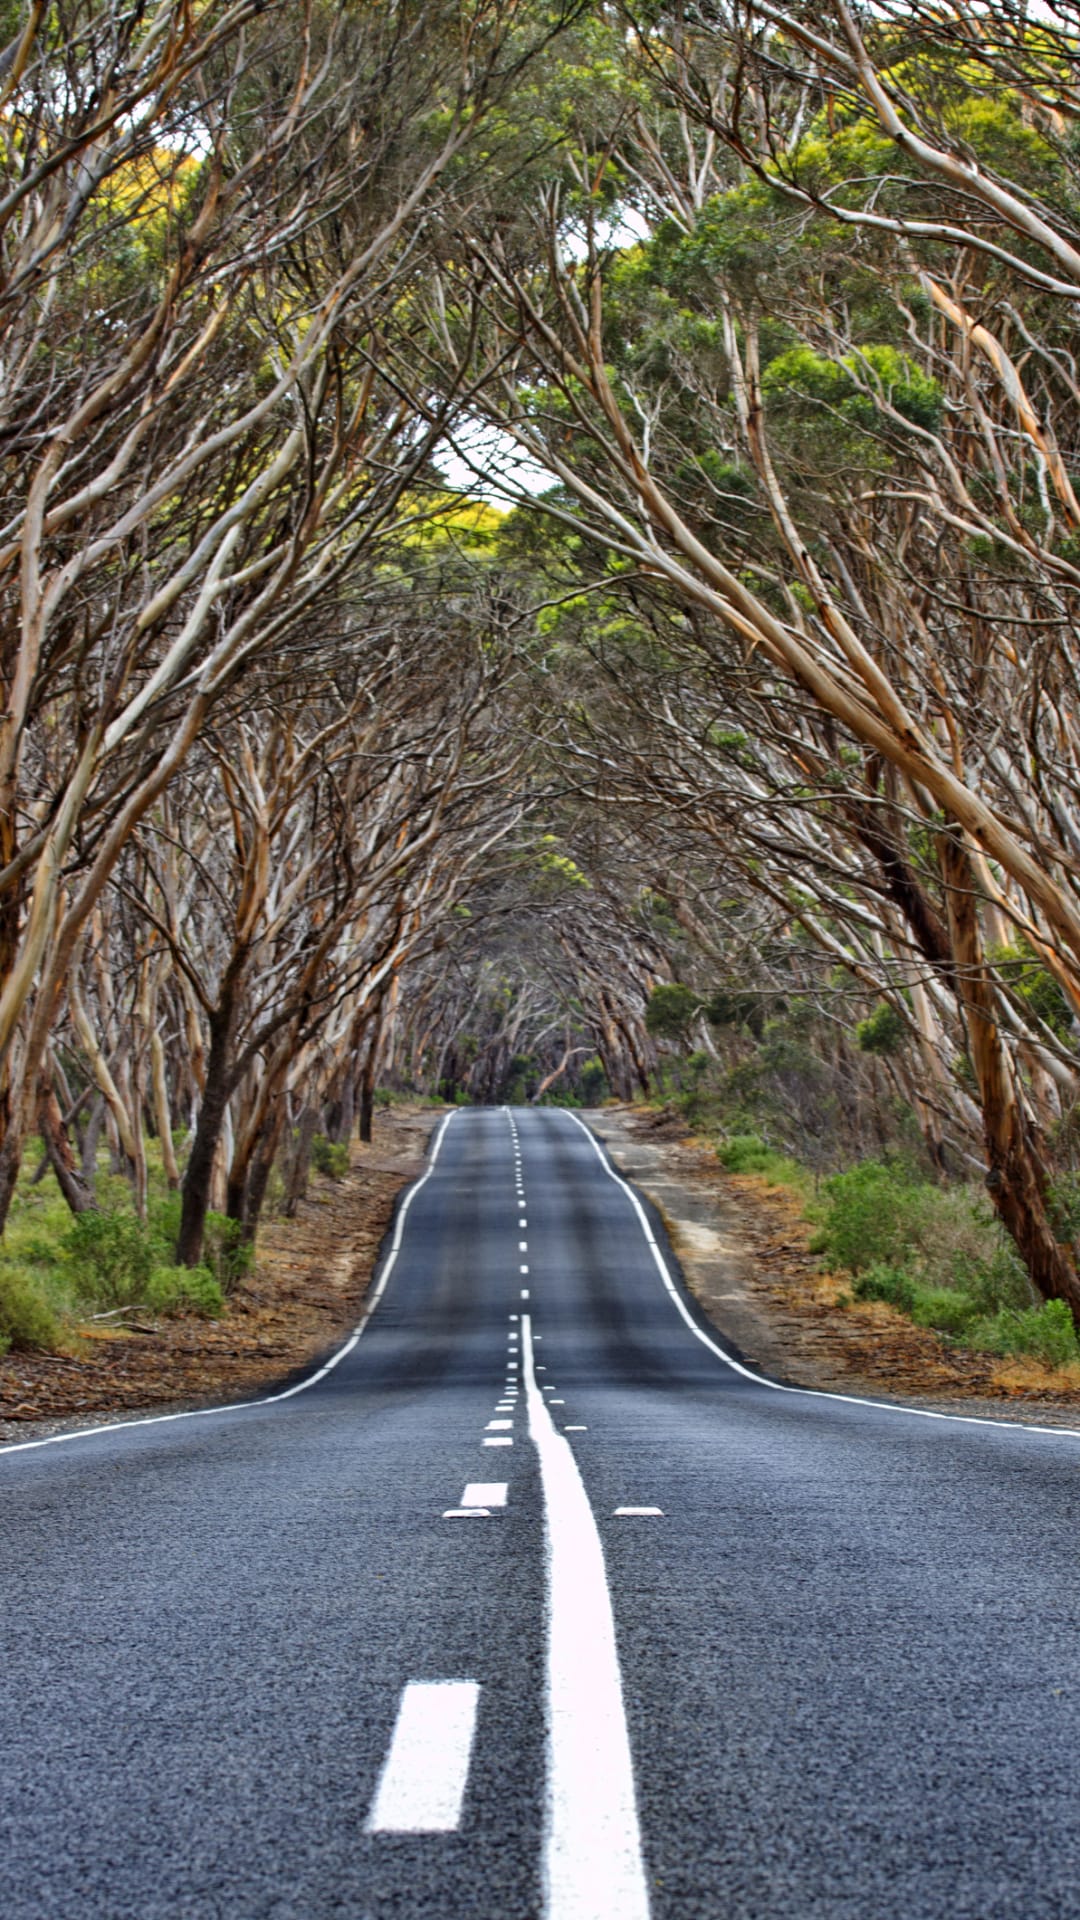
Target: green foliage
x=671 y=1011
x=27 y=1321
x=593 y=1082
x=746 y=1153
x=227 y=1252
x=1046 y=1333
x=1021 y=968
x=883 y=1032
x=112 y=1258
x=851 y=384
x=330 y=1157
x=184 y=1289
x=881 y=1282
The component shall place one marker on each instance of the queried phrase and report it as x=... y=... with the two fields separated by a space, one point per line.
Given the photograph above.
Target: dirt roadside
x=744 y=1251
x=307 y=1290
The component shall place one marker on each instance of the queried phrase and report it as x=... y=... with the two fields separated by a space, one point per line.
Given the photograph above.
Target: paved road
x=369 y=1651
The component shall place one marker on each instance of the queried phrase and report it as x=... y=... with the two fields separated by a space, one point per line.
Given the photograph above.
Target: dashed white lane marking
x=592 y=1844
x=575 y=1429
x=659 y=1511
x=485 y=1493
x=523 y=1246
x=467 y=1513
x=524 y=1293
x=422 y=1784
x=523 y=1269
x=497 y=1425
x=558 y=1403
x=523 y=1221
x=498 y=1443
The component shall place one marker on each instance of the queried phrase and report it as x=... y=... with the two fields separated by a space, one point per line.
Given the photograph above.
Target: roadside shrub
x=945 y=1310
x=883 y=1032
x=747 y=1153
x=1045 y=1333
x=112 y=1257
x=871 y=1217
x=891 y=1284
x=114 y=1260
x=184 y=1289
x=27 y=1321
x=226 y=1252
x=328 y=1157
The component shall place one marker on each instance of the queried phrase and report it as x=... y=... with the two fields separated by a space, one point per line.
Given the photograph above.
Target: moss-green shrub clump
x=330 y=1157
x=27 y=1320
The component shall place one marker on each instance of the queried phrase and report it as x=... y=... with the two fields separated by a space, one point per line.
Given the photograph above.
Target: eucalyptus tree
x=830 y=409
x=211 y=220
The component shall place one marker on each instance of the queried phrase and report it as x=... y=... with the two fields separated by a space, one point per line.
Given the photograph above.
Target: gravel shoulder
x=306 y=1291
x=744 y=1252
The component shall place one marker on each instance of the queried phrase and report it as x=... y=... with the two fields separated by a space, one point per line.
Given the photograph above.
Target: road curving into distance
x=533 y=1605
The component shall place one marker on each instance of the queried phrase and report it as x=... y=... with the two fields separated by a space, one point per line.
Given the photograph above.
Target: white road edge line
x=267 y=1399
x=776 y=1386
x=422 y=1784
x=593 y=1869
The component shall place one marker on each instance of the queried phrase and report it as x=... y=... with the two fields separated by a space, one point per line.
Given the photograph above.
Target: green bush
x=184 y=1289
x=883 y=1032
x=1045 y=1333
x=891 y=1284
x=945 y=1310
x=328 y=1157
x=115 y=1260
x=871 y=1217
x=26 y=1318
x=747 y=1153
x=112 y=1257
x=227 y=1252
x=671 y=1011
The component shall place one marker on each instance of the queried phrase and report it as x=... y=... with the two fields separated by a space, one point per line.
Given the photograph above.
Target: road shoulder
x=744 y=1254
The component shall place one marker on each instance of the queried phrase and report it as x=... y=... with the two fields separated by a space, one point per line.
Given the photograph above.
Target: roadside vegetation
x=729 y=754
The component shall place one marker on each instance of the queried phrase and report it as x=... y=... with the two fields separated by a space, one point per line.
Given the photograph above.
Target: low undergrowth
x=57 y=1270
x=935 y=1254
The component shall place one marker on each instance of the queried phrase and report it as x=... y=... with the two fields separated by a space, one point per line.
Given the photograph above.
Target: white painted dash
x=485 y=1493
x=497 y=1425
x=422 y=1785
x=500 y=1442
x=646 y=1511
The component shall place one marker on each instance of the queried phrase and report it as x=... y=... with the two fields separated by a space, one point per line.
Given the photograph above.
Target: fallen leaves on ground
x=310 y=1279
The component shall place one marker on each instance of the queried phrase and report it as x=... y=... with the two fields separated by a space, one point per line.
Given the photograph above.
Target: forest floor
x=309 y=1281
x=744 y=1250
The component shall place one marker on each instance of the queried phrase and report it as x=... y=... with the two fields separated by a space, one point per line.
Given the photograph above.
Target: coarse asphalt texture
x=849 y=1641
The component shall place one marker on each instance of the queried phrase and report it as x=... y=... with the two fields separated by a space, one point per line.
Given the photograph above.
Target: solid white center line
x=592 y=1846
x=422 y=1784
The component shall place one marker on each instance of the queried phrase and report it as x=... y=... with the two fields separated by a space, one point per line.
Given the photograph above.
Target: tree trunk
x=1016 y=1173
x=259 y=1171
x=195 y=1190
x=296 y=1179
x=79 y=1196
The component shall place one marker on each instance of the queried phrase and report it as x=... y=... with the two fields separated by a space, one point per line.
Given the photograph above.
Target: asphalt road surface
x=531 y=1606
